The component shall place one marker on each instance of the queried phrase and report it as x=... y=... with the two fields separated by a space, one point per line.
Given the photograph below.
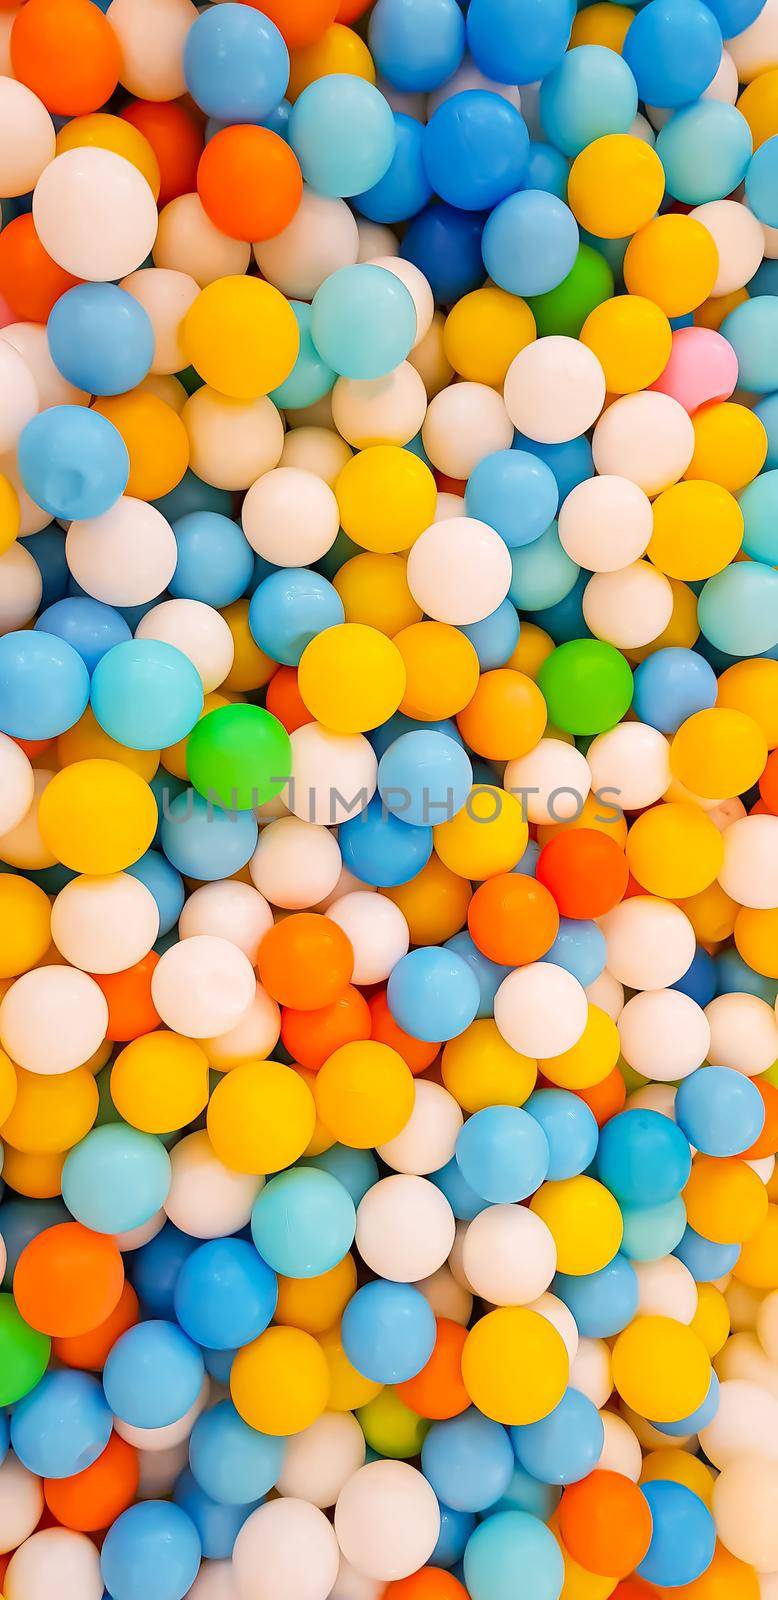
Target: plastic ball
x=153 y=1541
x=459 y=133
x=509 y=1255
x=241 y=336
x=87 y=195
x=343 y=134
x=288 y=1124
x=542 y=403
x=294 y=1545
x=515 y=1365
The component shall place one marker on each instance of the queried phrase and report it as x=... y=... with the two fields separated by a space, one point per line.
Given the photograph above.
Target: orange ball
x=305 y=961
x=635 y=1589
x=311 y=1036
x=438 y=1391
x=131 y=1010
x=175 y=138
x=605 y=1523
x=585 y=871
x=91 y=1500
x=429 y=1583
x=249 y=182
x=768 y=783
x=29 y=280
x=506 y=717
x=606 y=1098
x=300 y=21
x=767 y=1143
x=418 y=1054
x=68 y=1279
x=90 y=1351
x=67 y=52
x=512 y=919
x=284 y=700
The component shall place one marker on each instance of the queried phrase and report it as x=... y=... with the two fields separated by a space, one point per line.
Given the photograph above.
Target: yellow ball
x=718 y=753
x=711 y=913
x=97 y=817
x=602 y=23
x=579 y=1584
x=251 y=668
x=280 y=1382
x=51 y=1112
x=434 y=903
x=316 y=1304
x=364 y=1094
x=348 y=1388
x=632 y=340
x=10 y=514
x=489 y=835
x=106 y=132
x=156 y=439
x=585 y=1221
x=615 y=185
x=483 y=333
x=600 y=813
x=242 y=337
x=759 y=105
x=386 y=498
x=87 y=741
x=673 y=261
x=261 y=1117
x=726 y=1201
x=8 y=1086
x=756 y=938
x=37 y=1176
x=752 y=687
x=391 y=1427
x=674 y=850
x=590 y=1059
x=678 y=1466
x=661 y=1368
x=534 y=647
x=730 y=445
x=515 y=1366
x=481 y=1069
x=25 y=925
x=159 y=1082
x=339 y=50
x=757 y=1264
x=374 y=590
x=698 y=530
x=711 y=1320
x=682 y=629
x=351 y=678
x=441 y=670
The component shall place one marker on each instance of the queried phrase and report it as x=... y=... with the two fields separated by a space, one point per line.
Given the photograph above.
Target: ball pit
x=388 y=800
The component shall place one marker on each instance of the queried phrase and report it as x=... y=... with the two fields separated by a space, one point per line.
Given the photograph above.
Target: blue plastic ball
x=543 y=572
x=651 y=1232
x=236 y=63
x=468 y=1460
x=674 y=49
x=203 y=841
x=706 y=1261
x=217 y=1525
x=733 y=16
x=566 y=1445
x=530 y=242
x=591 y=93
x=100 y=338
x=720 y=1111
x=310 y=378
x=416 y=44
x=671 y=685
x=433 y=993
x=445 y=244
x=62 y=1425
x=604 y=1302
x=643 y=1158
x=47 y=549
x=580 y=948
x=515 y=493
x=73 y=462
x=225 y=1294
x=155 y=1267
x=357 y=1170
x=700 y=1418
x=363 y=321
x=215 y=561
x=476 y=149
x=153 y=1375
x=162 y=880
x=683 y=1535
x=699 y=979
x=571 y=462
x=388 y=1331
x=289 y=608
x=525 y=1493
x=151 y=1549
x=91 y=627
x=44 y=685
x=303 y=1223
x=455 y=1530
x=191 y=494
x=489 y=975
x=752 y=330
x=738 y=608
x=463 y=1200
x=342 y=132
x=233 y=1463
x=767 y=412
x=116 y=1178
x=547 y=169
x=424 y=778
x=759 y=505
x=734 y=976
x=381 y=849
x=511 y=1542
x=705 y=150
x=405 y=187
x=518 y=41
x=503 y=1153
x=570 y=1129
x=146 y=694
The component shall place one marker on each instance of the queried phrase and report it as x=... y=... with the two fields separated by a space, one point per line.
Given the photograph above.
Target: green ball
x=587 y=686
x=565 y=308
x=391 y=1428
x=24 y=1353
x=239 y=756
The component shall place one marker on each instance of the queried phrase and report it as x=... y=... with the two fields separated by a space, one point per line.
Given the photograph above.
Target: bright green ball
x=24 y=1353
x=587 y=686
x=391 y=1428
x=239 y=756
x=565 y=309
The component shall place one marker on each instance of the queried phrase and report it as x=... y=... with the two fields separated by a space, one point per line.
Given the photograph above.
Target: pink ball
x=702 y=367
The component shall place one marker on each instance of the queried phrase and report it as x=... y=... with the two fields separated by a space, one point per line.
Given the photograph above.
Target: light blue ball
x=547 y=169
x=363 y=320
x=489 y=975
x=116 y=1178
x=706 y=1261
x=515 y=493
x=191 y=494
x=357 y=1170
x=705 y=150
x=495 y=638
x=566 y=1445
x=530 y=242
x=151 y=1549
x=215 y=561
x=381 y=738
x=603 y=1303
x=468 y=1460
x=683 y=1535
x=759 y=505
x=651 y=1232
x=720 y=1111
x=5 y=1438
x=762 y=182
x=570 y=1128
x=22 y=1221
x=100 y=338
x=643 y=1158
x=233 y=1463
x=388 y=1331
x=154 y=1269
x=73 y=462
x=738 y=608
x=570 y=462
x=203 y=841
x=424 y=778
x=225 y=1294
x=735 y=15
x=455 y=1530
x=381 y=849
x=146 y=694
x=310 y=378
x=44 y=685
x=47 y=549
x=543 y=573
x=236 y=64
x=671 y=685
x=734 y=976
x=580 y=948
x=674 y=49
x=404 y=188
x=511 y=1542
x=518 y=41
x=463 y=1200
x=217 y=1525
x=153 y=1375
x=752 y=330
x=62 y=1425
x=433 y=993
x=289 y=608
x=416 y=47
x=503 y=1153
x=303 y=1223
x=767 y=412
x=525 y=1493
x=342 y=132
x=91 y=627
x=162 y=880
x=476 y=149
x=591 y=93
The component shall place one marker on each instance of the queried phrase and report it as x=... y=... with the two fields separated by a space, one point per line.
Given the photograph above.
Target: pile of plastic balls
x=389 y=800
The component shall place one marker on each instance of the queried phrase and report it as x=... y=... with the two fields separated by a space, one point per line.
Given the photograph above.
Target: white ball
x=156 y=74
x=749 y=872
x=629 y=608
x=387 y=1520
x=405 y=1228
x=468 y=76
x=214 y=1581
x=621 y=1451
x=658 y=1097
x=464 y=423
x=386 y=410
x=459 y=571
x=188 y=242
x=754 y=50
x=290 y=517
x=767 y=1325
x=607 y=993
x=448 y=506
x=447 y=1297
x=27 y=138
x=650 y=942
x=317 y=450
x=352 y=1585
x=605 y=523
x=647 y=438
x=202 y=986
x=21 y=1503
x=133 y=1238
x=334 y=775
x=590 y=1371
x=375 y=239
x=31 y=341
x=286 y=1550
x=554 y=389
x=743 y=1033
x=159 y=1440
x=738 y=238
x=53 y=1019
x=347 y=884
x=509 y=1255
x=321 y=238
x=33 y=517
x=321 y=1459
x=199 y=631
x=252 y=1039
x=664 y=1034
x=17 y=784
x=232 y=442
x=166 y=297
x=124 y=557
x=724 y=86
x=94 y=213
x=104 y=924
x=632 y=763
x=296 y=864
x=229 y=910
x=552 y=781
x=159 y=1470
x=541 y=1009
x=743 y=1356
x=378 y=933
x=557 y=1313
x=55 y=1561
x=418 y=289
x=745 y=1424
x=428 y=1140
x=23 y=846
x=207 y=1199
x=666 y=1288
x=21 y=587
